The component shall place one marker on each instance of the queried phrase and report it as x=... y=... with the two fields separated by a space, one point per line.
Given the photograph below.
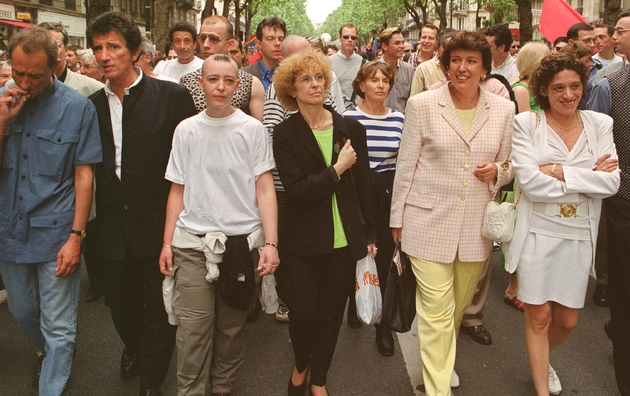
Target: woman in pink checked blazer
x=453 y=143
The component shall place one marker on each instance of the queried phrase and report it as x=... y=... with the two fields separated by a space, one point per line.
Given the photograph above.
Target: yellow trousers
x=444 y=292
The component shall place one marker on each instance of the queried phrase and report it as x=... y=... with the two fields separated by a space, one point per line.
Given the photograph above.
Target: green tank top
x=532 y=103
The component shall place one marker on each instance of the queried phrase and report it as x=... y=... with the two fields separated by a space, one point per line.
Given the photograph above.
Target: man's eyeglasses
x=214 y=39
x=346 y=37
x=621 y=31
x=515 y=46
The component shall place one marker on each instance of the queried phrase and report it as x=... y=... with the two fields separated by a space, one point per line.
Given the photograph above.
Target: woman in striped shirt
x=384 y=128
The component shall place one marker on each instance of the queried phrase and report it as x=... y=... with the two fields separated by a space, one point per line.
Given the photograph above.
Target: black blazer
x=310 y=184
x=131 y=211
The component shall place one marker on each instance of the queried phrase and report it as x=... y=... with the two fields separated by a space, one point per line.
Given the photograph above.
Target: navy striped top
x=383 y=136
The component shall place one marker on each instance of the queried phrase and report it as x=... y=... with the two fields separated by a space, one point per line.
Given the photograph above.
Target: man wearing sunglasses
x=183 y=39
x=216 y=36
x=346 y=63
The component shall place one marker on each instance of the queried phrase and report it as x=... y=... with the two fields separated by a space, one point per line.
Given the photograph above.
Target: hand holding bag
x=399 y=304
x=368 y=291
x=500 y=217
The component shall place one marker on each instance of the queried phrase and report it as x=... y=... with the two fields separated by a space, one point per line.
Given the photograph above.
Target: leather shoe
x=144 y=391
x=600 y=297
x=478 y=333
x=384 y=341
x=129 y=365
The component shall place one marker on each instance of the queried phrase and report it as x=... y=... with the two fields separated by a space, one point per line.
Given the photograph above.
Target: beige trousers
x=210 y=337
x=443 y=293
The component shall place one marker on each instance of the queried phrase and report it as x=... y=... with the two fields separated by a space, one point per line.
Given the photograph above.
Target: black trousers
x=316 y=290
x=91 y=257
x=618 y=227
x=382 y=186
x=133 y=292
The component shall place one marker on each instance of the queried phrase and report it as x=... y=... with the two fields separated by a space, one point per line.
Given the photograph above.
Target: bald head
x=294 y=44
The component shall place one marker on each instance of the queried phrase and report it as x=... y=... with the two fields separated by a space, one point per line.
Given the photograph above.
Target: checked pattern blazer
x=437 y=200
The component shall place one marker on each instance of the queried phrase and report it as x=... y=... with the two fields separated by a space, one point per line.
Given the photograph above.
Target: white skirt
x=554 y=269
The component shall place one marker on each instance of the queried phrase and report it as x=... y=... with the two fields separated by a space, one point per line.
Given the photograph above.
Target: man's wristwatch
x=79 y=233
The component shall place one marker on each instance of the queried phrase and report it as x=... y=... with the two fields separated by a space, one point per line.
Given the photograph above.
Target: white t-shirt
x=218 y=160
x=176 y=70
x=606 y=62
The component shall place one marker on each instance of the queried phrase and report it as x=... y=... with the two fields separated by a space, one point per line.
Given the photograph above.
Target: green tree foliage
x=501 y=10
x=293 y=12
x=366 y=15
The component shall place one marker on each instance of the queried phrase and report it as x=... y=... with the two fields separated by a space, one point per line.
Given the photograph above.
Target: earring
x=483 y=76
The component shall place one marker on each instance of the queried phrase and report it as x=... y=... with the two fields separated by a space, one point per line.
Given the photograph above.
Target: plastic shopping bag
x=368 y=292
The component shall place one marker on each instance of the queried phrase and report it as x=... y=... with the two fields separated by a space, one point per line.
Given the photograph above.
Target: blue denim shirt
x=55 y=131
x=266 y=74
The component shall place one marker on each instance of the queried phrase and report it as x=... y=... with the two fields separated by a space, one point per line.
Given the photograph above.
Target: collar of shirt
x=109 y=91
x=397 y=62
x=266 y=74
x=63 y=75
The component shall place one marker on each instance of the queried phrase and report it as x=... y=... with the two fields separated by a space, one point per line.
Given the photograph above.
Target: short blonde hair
x=284 y=78
x=529 y=57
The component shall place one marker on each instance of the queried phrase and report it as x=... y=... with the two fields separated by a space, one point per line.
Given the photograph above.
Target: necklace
x=320 y=124
x=577 y=120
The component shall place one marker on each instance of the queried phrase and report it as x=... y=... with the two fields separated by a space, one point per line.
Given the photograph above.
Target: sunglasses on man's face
x=214 y=39
x=516 y=46
x=346 y=37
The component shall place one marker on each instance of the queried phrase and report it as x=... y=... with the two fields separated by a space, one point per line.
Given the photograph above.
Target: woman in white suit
x=565 y=163
x=453 y=143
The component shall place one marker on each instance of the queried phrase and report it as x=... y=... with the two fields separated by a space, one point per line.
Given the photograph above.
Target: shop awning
x=16 y=23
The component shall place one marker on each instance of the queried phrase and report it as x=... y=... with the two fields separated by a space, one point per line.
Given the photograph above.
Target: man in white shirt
x=146 y=61
x=500 y=39
x=346 y=63
x=183 y=38
x=605 y=45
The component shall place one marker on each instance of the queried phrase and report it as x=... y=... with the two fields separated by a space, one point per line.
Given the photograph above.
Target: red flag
x=556 y=18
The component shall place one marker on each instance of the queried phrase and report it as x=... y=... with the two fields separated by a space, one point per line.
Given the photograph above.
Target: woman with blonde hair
x=322 y=160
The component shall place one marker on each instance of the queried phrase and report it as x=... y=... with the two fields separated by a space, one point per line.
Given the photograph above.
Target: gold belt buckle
x=568 y=210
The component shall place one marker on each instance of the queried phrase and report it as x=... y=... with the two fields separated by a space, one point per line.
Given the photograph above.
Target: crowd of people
x=201 y=190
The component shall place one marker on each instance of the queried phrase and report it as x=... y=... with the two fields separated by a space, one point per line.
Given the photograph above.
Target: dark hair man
x=605 y=45
x=610 y=96
x=183 y=39
x=500 y=39
x=585 y=34
x=49 y=142
x=582 y=32
x=269 y=36
x=131 y=194
x=71 y=55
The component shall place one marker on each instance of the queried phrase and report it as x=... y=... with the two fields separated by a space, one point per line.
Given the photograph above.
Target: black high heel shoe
x=297 y=390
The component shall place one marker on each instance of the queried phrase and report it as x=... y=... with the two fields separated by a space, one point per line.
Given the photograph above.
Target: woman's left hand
x=372 y=250
x=486 y=172
x=269 y=261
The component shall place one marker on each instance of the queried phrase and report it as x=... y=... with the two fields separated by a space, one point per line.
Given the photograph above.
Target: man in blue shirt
x=49 y=140
x=269 y=36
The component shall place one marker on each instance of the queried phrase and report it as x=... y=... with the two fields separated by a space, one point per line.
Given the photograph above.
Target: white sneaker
x=554 y=382
x=454 y=380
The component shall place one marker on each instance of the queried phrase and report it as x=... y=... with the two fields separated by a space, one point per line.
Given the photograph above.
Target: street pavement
x=583 y=362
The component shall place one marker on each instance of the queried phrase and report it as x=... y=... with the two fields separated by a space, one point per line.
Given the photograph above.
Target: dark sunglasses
x=516 y=46
x=349 y=37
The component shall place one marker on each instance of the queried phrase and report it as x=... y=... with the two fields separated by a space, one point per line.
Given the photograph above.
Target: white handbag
x=500 y=217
